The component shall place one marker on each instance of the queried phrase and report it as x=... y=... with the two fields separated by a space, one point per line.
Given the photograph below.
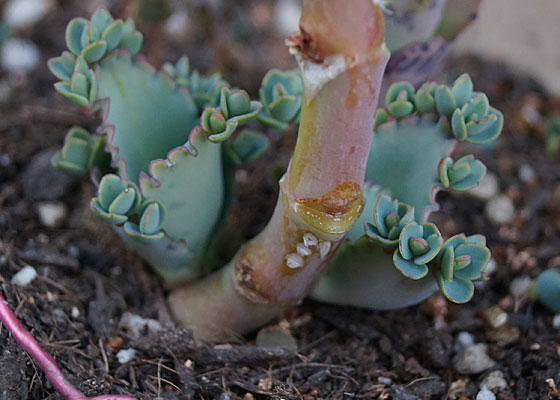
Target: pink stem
x=45 y=361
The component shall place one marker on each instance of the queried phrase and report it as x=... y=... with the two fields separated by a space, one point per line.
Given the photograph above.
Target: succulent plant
x=172 y=142
x=351 y=224
x=410 y=161
x=547 y=289
x=281 y=94
x=461 y=261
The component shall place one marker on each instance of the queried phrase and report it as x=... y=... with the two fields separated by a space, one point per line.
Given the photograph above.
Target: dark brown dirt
x=87 y=279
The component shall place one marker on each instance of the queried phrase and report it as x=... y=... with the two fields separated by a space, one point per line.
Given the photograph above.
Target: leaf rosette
x=281 y=94
x=461 y=261
x=463 y=174
x=390 y=217
x=116 y=200
x=418 y=245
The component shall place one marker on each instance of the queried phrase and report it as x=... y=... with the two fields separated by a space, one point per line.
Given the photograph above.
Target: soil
x=87 y=280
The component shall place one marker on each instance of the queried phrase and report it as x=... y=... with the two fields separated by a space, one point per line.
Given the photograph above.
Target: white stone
x=385 y=381
x=519 y=287
x=177 y=25
x=526 y=173
x=485 y=394
x=486 y=189
x=556 y=321
x=125 y=355
x=75 y=312
x=52 y=214
x=294 y=261
x=495 y=316
x=463 y=340
x=24 y=276
x=286 y=17
x=23 y=13
x=500 y=210
x=494 y=381
x=473 y=360
x=138 y=326
x=19 y=55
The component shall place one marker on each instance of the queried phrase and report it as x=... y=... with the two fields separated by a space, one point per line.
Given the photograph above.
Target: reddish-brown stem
x=341 y=51
x=45 y=361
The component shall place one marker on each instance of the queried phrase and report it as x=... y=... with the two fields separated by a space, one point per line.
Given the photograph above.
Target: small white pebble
x=75 y=312
x=473 y=360
x=519 y=287
x=495 y=316
x=310 y=240
x=52 y=214
x=125 y=355
x=324 y=248
x=486 y=189
x=138 y=326
x=500 y=210
x=177 y=24
x=439 y=323
x=531 y=114
x=189 y=364
x=23 y=13
x=464 y=339
x=303 y=250
x=24 y=276
x=19 y=55
x=5 y=160
x=556 y=321
x=485 y=394
x=384 y=380
x=526 y=173
x=294 y=261
x=494 y=381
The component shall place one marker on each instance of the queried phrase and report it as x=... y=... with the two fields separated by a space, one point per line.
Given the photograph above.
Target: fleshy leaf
x=548 y=289
x=364 y=275
x=457 y=290
x=409 y=268
x=246 y=147
x=190 y=189
x=147 y=115
x=74 y=32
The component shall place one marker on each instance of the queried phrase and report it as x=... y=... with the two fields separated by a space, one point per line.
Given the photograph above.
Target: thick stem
x=342 y=56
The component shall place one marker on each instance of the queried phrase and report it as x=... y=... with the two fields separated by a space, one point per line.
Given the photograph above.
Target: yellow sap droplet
x=335 y=212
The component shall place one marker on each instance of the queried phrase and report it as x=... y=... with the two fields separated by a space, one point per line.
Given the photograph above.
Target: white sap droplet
x=310 y=240
x=324 y=248
x=294 y=261
x=303 y=250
